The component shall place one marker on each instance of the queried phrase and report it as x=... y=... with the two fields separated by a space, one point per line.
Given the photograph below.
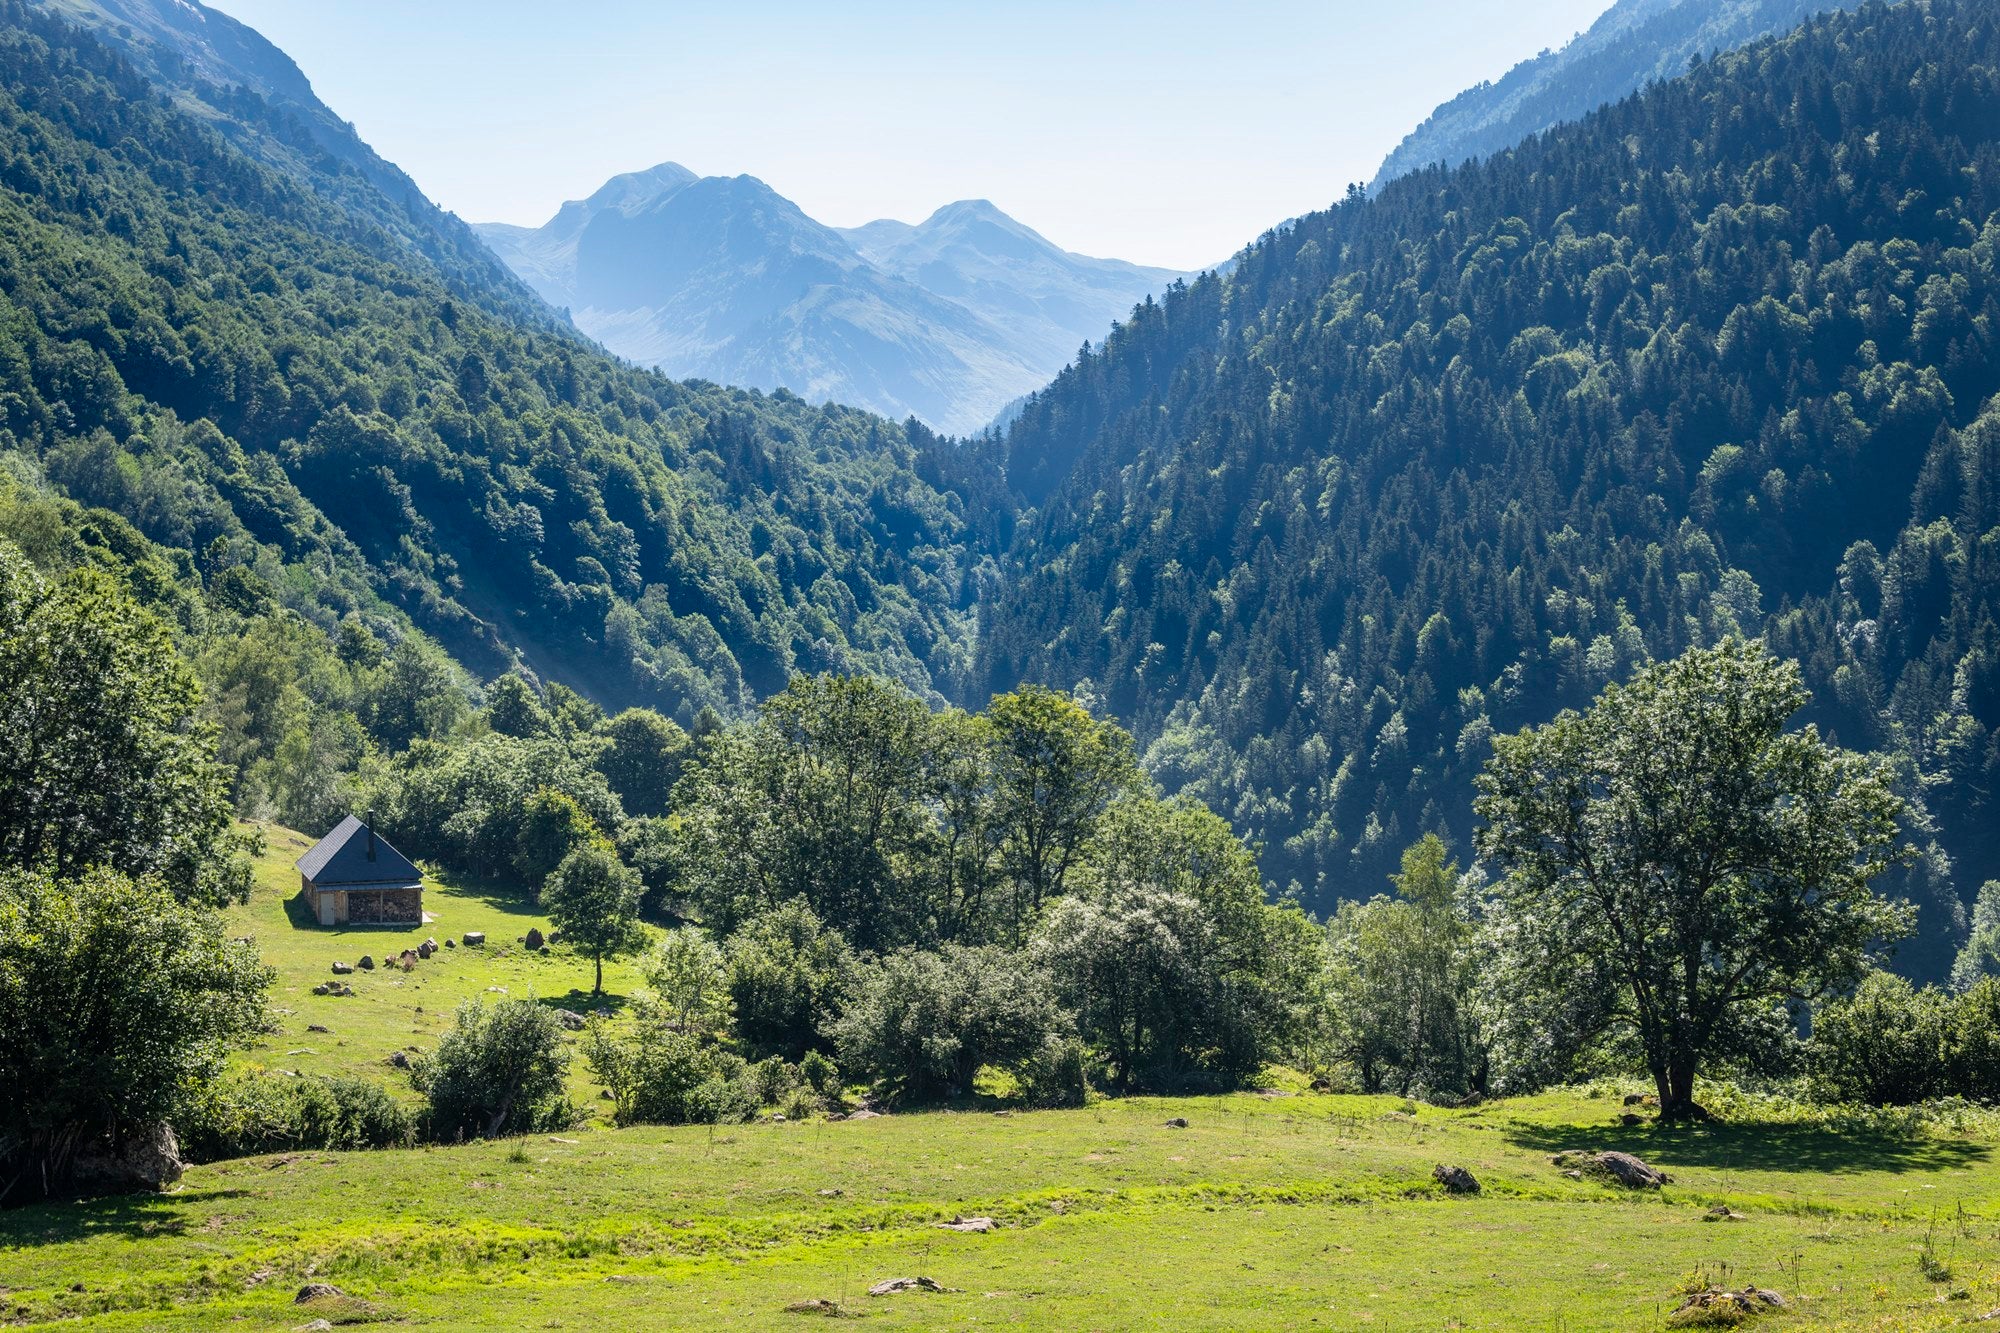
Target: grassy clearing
x=391 y=1010
x=1265 y=1212
x=1290 y=1210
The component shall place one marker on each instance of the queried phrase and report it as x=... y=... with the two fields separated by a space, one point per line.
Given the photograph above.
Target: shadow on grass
x=583 y=1002
x=134 y=1216
x=1757 y=1147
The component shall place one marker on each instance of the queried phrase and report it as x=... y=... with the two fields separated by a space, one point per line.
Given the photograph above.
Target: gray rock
x=571 y=1020
x=142 y=1159
x=896 y=1284
x=474 y=938
x=367 y=963
x=451 y=944
x=342 y=969
x=1178 y=1122
x=1629 y=1171
x=533 y=939
x=1456 y=1179
x=316 y=1291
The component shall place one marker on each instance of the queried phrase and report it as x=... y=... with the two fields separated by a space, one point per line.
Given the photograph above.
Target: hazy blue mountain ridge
x=722 y=278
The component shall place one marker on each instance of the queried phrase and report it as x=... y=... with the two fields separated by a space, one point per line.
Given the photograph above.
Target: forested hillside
x=1432 y=465
x=268 y=365
x=1631 y=44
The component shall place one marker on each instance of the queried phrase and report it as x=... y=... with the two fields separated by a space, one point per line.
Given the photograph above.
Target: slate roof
x=341 y=857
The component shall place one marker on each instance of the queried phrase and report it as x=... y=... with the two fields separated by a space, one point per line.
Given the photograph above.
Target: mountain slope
x=1049 y=300
x=1630 y=45
x=1720 y=357
x=268 y=373
x=227 y=75
x=723 y=279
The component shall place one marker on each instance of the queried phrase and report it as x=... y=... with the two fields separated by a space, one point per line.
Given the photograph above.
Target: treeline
x=1426 y=467
x=862 y=892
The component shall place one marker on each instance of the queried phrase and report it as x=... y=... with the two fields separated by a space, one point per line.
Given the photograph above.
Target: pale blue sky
x=1169 y=132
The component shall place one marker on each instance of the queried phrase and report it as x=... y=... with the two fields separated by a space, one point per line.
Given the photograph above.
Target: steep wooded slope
x=262 y=370
x=1718 y=358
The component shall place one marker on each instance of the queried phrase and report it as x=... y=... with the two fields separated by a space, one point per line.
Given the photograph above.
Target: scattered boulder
x=1630 y=1172
x=1322 y=1085
x=571 y=1020
x=316 y=1326
x=1629 y=1120
x=896 y=1284
x=1641 y=1099
x=367 y=963
x=333 y=988
x=1722 y=1212
x=555 y=937
x=864 y=1114
x=147 y=1158
x=1718 y=1307
x=831 y=1193
x=425 y=950
x=407 y=959
x=1178 y=1122
x=819 y=1306
x=317 y=1291
x=399 y=1059
x=533 y=939
x=316 y=1027
x=474 y=938
x=982 y=1225
x=1455 y=1179
x=342 y=969
x=543 y=951
x=451 y=944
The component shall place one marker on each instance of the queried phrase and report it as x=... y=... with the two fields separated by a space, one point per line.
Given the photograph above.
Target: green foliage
x=1176 y=968
x=1882 y=1046
x=500 y=1070
x=1892 y=1044
x=104 y=760
x=659 y=1075
x=897 y=824
x=1425 y=468
x=118 y=1003
x=789 y=977
x=264 y=1113
x=593 y=899
x=643 y=759
x=925 y=1022
x=1401 y=981
x=687 y=972
x=1979 y=959
x=1680 y=859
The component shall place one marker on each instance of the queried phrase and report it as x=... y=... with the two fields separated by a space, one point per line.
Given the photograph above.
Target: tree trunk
x=1675 y=1081
x=598 y=989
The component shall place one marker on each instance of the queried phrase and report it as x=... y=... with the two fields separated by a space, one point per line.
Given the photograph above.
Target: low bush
x=500 y=1070
x=271 y=1113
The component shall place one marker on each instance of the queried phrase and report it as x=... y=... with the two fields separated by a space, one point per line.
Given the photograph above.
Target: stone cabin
x=353 y=877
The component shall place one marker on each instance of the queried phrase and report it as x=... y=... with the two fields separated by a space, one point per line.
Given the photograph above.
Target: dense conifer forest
x=1426 y=467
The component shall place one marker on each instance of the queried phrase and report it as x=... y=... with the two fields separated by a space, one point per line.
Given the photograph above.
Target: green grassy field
x=392 y=1010
x=1276 y=1210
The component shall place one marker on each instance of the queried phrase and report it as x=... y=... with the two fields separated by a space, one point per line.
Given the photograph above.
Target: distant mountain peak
x=723 y=278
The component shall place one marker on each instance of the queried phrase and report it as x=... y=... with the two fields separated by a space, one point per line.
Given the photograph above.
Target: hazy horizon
x=1219 y=123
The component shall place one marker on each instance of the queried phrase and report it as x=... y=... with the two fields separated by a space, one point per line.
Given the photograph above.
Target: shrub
x=116 y=1003
x=926 y=1022
x=820 y=1074
x=660 y=1076
x=500 y=1070
x=1055 y=1076
x=1884 y=1045
x=788 y=976
x=269 y=1113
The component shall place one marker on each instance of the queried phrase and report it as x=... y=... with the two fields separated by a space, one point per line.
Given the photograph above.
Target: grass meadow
x=1275 y=1209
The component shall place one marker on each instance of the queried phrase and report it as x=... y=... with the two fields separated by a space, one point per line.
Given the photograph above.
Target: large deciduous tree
x=593 y=899
x=104 y=759
x=116 y=1002
x=1677 y=850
